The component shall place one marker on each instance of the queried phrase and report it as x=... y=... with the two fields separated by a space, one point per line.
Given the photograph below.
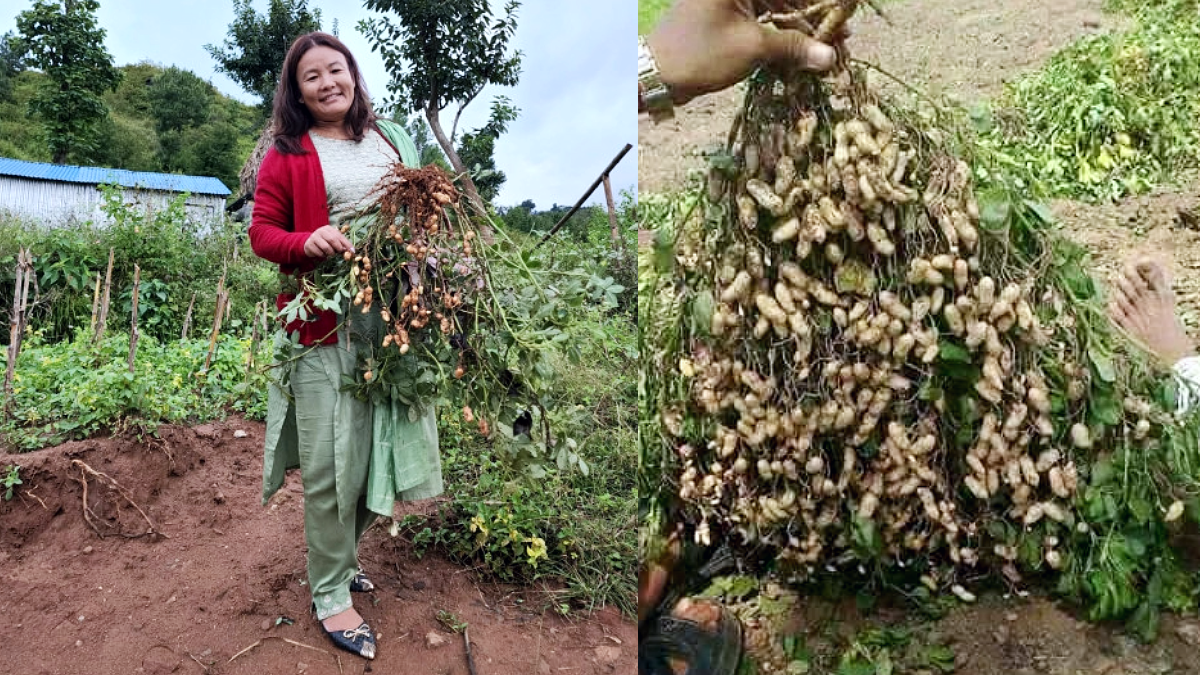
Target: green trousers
x=332 y=543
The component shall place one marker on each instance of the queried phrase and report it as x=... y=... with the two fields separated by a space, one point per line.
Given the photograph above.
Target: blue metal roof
x=96 y=175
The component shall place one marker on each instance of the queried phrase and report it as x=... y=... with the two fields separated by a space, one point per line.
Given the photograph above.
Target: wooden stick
x=104 y=303
x=587 y=194
x=187 y=318
x=216 y=330
x=133 y=329
x=618 y=243
x=16 y=322
x=275 y=637
x=470 y=659
x=95 y=305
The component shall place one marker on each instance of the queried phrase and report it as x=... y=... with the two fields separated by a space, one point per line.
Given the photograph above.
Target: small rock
x=266 y=624
x=240 y=433
x=434 y=639
x=301 y=667
x=219 y=497
x=1010 y=616
x=1189 y=632
x=1001 y=635
x=418 y=585
x=79 y=643
x=88 y=549
x=614 y=638
x=543 y=667
x=154 y=666
x=606 y=655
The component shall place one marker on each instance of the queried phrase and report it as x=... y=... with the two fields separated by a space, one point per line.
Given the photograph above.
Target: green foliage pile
x=1111 y=115
x=73 y=389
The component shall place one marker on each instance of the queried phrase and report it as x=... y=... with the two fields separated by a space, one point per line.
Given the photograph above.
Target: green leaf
x=856 y=667
x=994 y=211
x=1042 y=211
x=952 y=352
x=1102 y=364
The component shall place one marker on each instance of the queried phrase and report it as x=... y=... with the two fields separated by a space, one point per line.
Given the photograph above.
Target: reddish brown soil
x=226 y=569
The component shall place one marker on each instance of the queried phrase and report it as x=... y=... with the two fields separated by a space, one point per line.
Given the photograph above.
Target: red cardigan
x=289 y=205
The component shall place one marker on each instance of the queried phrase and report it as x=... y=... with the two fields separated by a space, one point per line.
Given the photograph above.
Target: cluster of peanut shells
x=799 y=446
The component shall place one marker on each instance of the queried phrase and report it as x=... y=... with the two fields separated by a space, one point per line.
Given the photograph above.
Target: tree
x=179 y=99
x=12 y=62
x=444 y=52
x=478 y=149
x=64 y=42
x=253 y=53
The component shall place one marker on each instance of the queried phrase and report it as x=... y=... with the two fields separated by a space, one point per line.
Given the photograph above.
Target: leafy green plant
x=451 y=621
x=1112 y=114
x=12 y=478
x=67 y=390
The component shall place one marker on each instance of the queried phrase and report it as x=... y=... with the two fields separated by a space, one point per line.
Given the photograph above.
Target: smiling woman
x=328 y=154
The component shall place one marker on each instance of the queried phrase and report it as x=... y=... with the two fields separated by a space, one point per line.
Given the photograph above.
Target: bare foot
x=1144 y=305
x=347 y=620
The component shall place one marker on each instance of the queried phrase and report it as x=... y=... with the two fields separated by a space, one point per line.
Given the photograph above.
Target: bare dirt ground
x=226 y=569
x=968 y=49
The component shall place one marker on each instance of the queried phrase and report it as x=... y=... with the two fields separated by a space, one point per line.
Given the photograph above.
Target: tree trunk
x=485 y=230
x=618 y=243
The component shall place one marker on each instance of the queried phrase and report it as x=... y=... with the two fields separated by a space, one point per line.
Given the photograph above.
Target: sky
x=575 y=93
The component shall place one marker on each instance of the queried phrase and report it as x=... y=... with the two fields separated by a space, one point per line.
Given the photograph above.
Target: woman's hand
x=702 y=46
x=326 y=241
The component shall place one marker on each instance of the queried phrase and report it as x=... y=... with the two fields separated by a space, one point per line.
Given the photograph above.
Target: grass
x=649 y=12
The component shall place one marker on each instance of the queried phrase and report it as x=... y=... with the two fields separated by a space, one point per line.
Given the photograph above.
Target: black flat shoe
x=359 y=641
x=360 y=583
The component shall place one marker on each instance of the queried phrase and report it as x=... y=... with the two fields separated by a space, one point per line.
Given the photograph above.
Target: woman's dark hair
x=292 y=118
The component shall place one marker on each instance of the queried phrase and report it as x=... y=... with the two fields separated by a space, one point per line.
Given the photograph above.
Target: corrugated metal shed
x=95 y=175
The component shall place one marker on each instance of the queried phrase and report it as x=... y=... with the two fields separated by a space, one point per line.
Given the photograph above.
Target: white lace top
x=352 y=169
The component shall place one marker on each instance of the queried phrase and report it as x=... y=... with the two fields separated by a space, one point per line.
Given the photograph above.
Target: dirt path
x=964 y=48
x=77 y=604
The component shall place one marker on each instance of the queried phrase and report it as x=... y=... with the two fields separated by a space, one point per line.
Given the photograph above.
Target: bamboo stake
x=16 y=325
x=133 y=329
x=222 y=299
x=95 y=305
x=187 y=318
x=104 y=303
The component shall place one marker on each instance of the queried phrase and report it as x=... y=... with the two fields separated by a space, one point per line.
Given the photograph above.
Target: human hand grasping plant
x=702 y=46
x=326 y=241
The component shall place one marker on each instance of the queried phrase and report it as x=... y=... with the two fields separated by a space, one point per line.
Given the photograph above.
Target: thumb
x=792 y=46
